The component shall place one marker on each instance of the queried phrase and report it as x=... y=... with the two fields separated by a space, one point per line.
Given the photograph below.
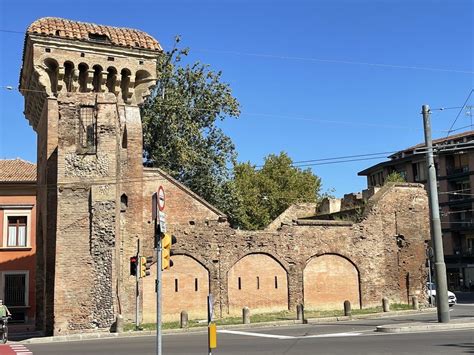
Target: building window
x=16 y=228
x=16 y=231
x=419 y=171
x=15 y=286
x=87 y=129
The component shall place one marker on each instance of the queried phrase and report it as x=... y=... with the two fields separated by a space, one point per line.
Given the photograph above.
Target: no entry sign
x=161 y=198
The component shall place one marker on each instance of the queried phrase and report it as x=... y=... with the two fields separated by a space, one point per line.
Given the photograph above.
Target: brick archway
x=185 y=288
x=259 y=282
x=329 y=280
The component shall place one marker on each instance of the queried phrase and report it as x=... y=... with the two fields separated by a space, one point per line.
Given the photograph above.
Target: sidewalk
x=105 y=335
x=466 y=323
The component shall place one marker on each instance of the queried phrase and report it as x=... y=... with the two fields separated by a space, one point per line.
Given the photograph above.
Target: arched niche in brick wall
x=328 y=281
x=185 y=288
x=259 y=282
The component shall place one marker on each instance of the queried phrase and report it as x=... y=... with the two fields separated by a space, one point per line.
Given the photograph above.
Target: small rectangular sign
x=162 y=219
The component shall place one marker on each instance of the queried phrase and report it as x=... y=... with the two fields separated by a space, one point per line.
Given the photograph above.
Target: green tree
x=180 y=132
x=395 y=176
x=264 y=194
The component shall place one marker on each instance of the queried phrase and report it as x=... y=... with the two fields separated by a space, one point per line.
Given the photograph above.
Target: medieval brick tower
x=82 y=85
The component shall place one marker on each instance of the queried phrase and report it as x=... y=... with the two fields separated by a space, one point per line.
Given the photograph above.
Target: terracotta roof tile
x=17 y=170
x=126 y=37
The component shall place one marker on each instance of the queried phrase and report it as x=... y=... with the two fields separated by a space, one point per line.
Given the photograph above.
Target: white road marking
x=276 y=336
x=349 y=334
x=236 y=332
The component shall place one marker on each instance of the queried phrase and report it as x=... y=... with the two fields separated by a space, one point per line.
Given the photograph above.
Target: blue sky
x=296 y=67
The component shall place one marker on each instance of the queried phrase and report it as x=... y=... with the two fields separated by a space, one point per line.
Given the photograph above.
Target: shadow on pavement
x=468 y=347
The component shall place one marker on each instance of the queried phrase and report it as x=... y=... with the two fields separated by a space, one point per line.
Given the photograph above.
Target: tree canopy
x=179 y=126
x=265 y=193
x=181 y=136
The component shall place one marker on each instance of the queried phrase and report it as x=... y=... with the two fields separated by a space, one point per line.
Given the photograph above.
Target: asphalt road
x=352 y=337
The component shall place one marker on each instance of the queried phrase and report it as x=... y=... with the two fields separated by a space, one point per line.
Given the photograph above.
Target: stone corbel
x=89 y=80
x=142 y=89
x=61 y=84
x=103 y=81
x=117 y=89
x=75 y=80
x=43 y=79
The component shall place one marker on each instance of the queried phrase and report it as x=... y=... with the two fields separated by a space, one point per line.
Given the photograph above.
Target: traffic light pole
x=158 y=286
x=436 y=236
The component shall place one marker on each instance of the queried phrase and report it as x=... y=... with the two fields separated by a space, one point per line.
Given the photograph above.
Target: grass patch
x=270 y=317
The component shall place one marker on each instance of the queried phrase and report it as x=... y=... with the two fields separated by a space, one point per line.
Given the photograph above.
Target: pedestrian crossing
x=14 y=349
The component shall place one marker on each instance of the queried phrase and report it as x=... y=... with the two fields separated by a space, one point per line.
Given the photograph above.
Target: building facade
x=18 y=241
x=454 y=159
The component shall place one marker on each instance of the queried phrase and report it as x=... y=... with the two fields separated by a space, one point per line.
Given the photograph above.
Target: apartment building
x=18 y=240
x=454 y=160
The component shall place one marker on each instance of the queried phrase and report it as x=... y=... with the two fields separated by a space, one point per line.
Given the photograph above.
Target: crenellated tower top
x=63 y=56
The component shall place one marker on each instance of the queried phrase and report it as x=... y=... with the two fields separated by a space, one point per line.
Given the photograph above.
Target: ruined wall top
x=58 y=27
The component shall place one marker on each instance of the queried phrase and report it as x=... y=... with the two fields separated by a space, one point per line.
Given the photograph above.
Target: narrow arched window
x=111 y=79
x=124 y=138
x=52 y=70
x=68 y=75
x=83 y=68
x=96 y=82
x=125 y=84
x=123 y=203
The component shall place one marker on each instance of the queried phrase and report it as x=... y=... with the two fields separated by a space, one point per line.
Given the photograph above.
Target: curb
x=103 y=335
x=417 y=327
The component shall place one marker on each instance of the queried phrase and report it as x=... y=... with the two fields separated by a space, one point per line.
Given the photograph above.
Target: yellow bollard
x=212 y=331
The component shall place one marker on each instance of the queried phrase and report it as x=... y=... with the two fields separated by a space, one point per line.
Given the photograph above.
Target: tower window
x=88 y=130
x=98 y=37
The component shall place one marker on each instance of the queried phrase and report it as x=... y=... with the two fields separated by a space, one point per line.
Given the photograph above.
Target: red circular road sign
x=161 y=198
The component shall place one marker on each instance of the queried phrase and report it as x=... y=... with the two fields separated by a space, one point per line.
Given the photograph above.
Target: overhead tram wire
x=459 y=113
x=336 y=61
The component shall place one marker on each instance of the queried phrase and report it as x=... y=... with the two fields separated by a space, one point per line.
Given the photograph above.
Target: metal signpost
x=159 y=218
x=211 y=327
x=137 y=291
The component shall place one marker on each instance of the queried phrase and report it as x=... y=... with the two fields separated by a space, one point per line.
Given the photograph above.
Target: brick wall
x=386 y=267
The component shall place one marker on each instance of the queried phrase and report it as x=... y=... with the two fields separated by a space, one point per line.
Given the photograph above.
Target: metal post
x=137 y=290
x=158 y=287
x=436 y=237
x=429 y=254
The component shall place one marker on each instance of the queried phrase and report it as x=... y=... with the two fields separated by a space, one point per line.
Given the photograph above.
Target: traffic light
x=145 y=263
x=167 y=241
x=133 y=266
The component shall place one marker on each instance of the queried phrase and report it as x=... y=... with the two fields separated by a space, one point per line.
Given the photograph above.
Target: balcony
x=459 y=195
x=457 y=171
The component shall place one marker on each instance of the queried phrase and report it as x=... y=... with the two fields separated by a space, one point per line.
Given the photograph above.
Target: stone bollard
x=119 y=324
x=385 y=304
x=246 y=315
x=414 y=302
x=183 y=322
x=347 y=309
x=300 y=312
